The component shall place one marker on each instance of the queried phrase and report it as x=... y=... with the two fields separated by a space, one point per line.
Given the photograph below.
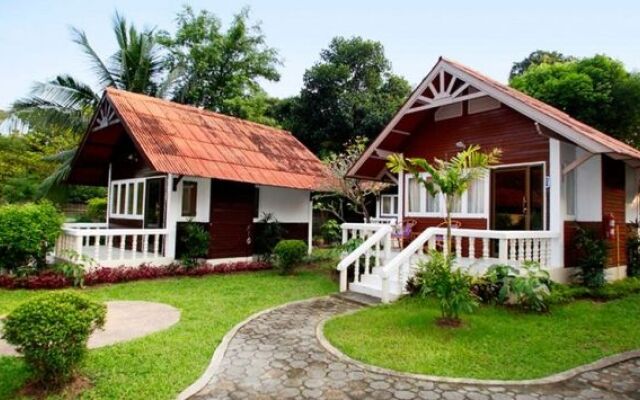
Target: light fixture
x=460 y=145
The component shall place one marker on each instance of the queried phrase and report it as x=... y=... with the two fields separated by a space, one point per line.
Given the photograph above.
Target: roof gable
x=185 y=140
x=449 y=82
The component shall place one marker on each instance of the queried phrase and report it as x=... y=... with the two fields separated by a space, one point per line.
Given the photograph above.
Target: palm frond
x=60 y=174
x=105 y=78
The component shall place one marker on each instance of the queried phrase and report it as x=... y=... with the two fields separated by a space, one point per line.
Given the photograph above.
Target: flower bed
x=55 y=280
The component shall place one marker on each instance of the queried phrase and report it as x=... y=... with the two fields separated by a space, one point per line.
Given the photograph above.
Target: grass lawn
x=161 y=365
x=494 y=343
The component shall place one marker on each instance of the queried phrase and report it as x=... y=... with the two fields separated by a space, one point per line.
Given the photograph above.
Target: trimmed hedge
x=27 y=232
x=50 y=279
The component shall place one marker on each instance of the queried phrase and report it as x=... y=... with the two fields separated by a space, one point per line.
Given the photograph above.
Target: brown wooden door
x=231 y=219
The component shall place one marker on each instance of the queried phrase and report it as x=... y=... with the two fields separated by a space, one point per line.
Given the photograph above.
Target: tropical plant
x=67 y=103
x=331 y=231
x=288 y=254
x=527 y=288
x=97 y=209
x=633 y=251
x=592 y=258
x=193 y=240
x=268 y=234
x=342 y=192
x=73 y=268
x=450 y=286
x=51 y=332
x=451 y=178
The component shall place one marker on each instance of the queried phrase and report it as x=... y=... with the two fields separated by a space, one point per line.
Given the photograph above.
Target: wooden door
x=231 y=219
x=517 y=198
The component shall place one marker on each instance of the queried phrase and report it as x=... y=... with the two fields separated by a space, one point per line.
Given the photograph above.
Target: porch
x=379 y=268
x=95 y=244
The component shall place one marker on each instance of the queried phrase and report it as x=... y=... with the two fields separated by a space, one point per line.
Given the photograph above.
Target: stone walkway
x=278 y=356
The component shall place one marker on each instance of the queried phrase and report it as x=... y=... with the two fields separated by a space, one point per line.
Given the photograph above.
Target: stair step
x=358 y=298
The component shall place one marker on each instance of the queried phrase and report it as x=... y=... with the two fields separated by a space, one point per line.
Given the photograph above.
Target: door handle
x=524 y=205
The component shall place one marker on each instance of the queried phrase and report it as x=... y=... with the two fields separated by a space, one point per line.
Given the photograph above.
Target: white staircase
x=380 y=271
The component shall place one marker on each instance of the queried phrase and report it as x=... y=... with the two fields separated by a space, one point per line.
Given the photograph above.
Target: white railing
x=383 y=220
x=95 y=244
x=376 y=245
x=513 y=247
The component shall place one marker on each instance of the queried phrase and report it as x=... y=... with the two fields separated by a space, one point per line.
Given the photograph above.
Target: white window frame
x=570 y=216
x=114 y=207
x=393 y=198
x=440 y=213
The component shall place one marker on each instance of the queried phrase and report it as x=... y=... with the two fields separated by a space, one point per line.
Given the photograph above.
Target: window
x=421 y=203
x=127 y=199
x=475 y=197
x=570 y=192
x=413 y=193
x=389 y=204
x=456 y=206
x=256 y=203
x=189 y=198
x=432 y=203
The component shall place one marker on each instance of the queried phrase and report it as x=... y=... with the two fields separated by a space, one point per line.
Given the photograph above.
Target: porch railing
x=513 y=247
x=95 y=244
x=375 y=247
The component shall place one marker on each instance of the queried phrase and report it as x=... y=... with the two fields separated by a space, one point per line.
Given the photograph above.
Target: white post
x=170 y=222
x=400 y=197
x=310 y=225
x=109 y=205
x=556 y=206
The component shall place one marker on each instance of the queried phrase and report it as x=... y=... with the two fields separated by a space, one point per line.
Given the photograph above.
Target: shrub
x=633 y=252
x=27 y=232
x=592 y=258
x=97 y=209
x=194 y=243
x=331 y=231
x=51 y=332
x=528 y=290
x=288 y=253
x=451 y=286
x=267 y=236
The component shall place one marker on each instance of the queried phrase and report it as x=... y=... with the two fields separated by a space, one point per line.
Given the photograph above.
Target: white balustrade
x=376 y=245
x=96 y=244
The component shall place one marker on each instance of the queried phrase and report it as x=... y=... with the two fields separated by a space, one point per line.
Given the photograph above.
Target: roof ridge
x=194 y=109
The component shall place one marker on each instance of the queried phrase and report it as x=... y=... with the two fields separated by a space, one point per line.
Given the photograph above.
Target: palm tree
x=65 y=102
x=451 y=178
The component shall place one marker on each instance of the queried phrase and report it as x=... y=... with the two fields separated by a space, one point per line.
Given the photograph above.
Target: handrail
x=114 y=232
x=384 y=230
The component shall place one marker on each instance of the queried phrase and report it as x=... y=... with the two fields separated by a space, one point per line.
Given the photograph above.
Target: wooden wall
x=613 y=202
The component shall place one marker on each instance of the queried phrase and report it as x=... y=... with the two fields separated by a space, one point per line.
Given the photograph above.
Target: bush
x=592 y=258
x=289 y=253
x=270 y=232
x=193 y=241
x=27 y=232
x=331 y=231
x=633 y=252
x=529 y=290
x=97 y=209
x=451 y=286
x=51 y=332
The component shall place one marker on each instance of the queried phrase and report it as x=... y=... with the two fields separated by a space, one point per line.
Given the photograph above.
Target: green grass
x=494 y=343
x=161 y=365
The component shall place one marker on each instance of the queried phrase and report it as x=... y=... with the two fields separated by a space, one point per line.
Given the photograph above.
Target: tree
x=597 y=91
x=213 y=67
x=65 y=104
x=355 y=192
x=536 y=58
x=350 y=92
x=450 y=178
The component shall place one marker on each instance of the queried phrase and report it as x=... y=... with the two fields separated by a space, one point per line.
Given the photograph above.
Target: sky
x=486 y=35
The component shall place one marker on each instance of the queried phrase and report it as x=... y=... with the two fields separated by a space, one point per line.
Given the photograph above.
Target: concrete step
x=358 y=298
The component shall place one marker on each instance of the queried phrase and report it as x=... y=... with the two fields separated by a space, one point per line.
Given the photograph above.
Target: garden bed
x=493 y=343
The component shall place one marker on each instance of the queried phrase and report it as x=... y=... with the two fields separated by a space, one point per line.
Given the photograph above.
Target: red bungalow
x=555 y=173
x=166 y=163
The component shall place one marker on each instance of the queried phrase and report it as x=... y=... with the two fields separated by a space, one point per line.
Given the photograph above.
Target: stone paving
x=278 y=356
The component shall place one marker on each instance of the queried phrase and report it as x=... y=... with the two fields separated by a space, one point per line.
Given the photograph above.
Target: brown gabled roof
x=616 y=146
x=184 y=140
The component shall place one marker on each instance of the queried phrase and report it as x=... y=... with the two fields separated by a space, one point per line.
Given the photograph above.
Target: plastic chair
x=405 y=233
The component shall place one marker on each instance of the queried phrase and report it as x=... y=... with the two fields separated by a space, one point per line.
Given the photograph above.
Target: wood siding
x=299 y=231
x=613 y=202
x=231 y=219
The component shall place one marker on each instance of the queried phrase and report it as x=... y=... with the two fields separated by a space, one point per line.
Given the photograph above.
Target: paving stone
x=277 y=356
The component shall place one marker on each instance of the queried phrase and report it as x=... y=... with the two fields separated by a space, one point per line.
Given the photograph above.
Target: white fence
x=95 y=244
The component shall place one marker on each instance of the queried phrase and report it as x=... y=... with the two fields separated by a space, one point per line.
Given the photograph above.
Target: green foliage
x=289 y=253
x=527 y=289
x=331 y=231
x=215 y=69
x=633 y=252
x=350 y=92
x=97 y=209
x=597 y=91
x=74 y=270
x=592 y=258
x=451 y=286
x=27 y=232
x=51 y=332
x=194 y=243
x=268 y=236
x=536 y=58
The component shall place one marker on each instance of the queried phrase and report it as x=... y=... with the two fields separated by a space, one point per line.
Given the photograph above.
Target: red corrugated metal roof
x=185 y=140
x=616 y=146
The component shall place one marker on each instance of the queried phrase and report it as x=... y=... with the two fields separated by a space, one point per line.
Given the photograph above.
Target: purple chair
x=405 y=233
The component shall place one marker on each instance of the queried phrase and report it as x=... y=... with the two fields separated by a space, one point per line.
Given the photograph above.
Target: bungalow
x=555 y=173
x=165 y=164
